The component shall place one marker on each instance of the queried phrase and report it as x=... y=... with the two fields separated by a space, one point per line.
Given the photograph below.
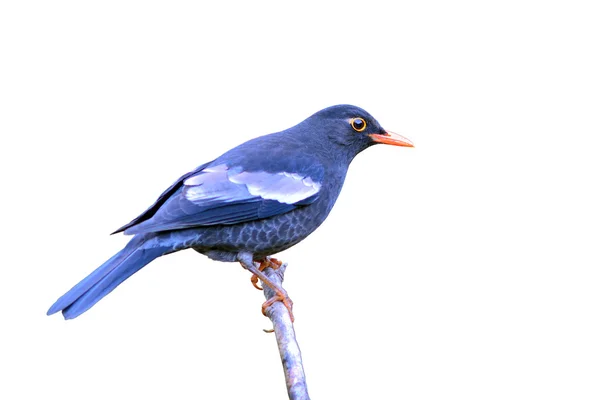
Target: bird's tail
x=140 y=251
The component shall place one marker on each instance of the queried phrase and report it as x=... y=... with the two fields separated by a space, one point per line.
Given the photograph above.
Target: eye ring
x=358 y=124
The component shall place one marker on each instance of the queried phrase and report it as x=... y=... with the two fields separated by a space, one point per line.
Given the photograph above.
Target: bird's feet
x=280 y=293
x=282 y=296
x=265 y=263
x=246 y=260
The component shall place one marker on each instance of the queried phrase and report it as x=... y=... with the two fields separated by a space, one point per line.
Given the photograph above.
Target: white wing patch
x=216 y=184
x=205 y=174
x=212 y=184
x=283 y=186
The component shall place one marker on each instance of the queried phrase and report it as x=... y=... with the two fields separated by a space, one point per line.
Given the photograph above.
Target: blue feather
x=220 y=195
x=137 y=253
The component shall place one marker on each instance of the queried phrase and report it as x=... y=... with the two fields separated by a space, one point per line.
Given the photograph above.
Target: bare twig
x=286 y=340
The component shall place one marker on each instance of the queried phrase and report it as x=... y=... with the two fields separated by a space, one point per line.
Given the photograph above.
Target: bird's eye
x=358 y=124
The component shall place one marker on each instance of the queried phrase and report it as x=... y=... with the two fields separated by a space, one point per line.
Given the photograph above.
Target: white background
x=467 y=267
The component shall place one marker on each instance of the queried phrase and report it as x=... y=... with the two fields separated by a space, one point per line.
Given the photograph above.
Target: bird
x=252 y=202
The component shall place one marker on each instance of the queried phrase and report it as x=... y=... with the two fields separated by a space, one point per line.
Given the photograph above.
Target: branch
x=286 y=340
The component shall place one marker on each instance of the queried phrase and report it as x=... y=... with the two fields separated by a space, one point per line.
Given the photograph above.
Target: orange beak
x=391 y=138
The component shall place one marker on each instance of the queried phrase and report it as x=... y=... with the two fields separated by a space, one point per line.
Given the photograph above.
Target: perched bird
x=255 y=200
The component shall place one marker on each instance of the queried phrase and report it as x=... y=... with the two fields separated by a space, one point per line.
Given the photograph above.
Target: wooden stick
x=286 y=340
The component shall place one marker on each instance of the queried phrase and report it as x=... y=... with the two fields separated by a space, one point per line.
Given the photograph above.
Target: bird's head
x=351 y=129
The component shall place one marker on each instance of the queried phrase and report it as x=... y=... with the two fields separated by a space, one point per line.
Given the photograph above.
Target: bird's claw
x=254 y=281
x=257 y=273
x=264 y=264
x=282 y=297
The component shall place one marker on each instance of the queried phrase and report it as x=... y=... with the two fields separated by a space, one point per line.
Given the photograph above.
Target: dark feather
x=220 y=195
x=160 y=201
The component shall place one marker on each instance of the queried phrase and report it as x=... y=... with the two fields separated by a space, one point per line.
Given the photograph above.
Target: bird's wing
x=160 y=201
x=221 y=195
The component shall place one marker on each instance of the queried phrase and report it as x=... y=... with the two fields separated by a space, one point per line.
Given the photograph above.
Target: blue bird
x=254 y=201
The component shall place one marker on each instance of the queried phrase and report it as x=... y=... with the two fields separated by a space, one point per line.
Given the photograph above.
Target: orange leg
x=282 y=297
x=266 y=263
x=280 y=293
